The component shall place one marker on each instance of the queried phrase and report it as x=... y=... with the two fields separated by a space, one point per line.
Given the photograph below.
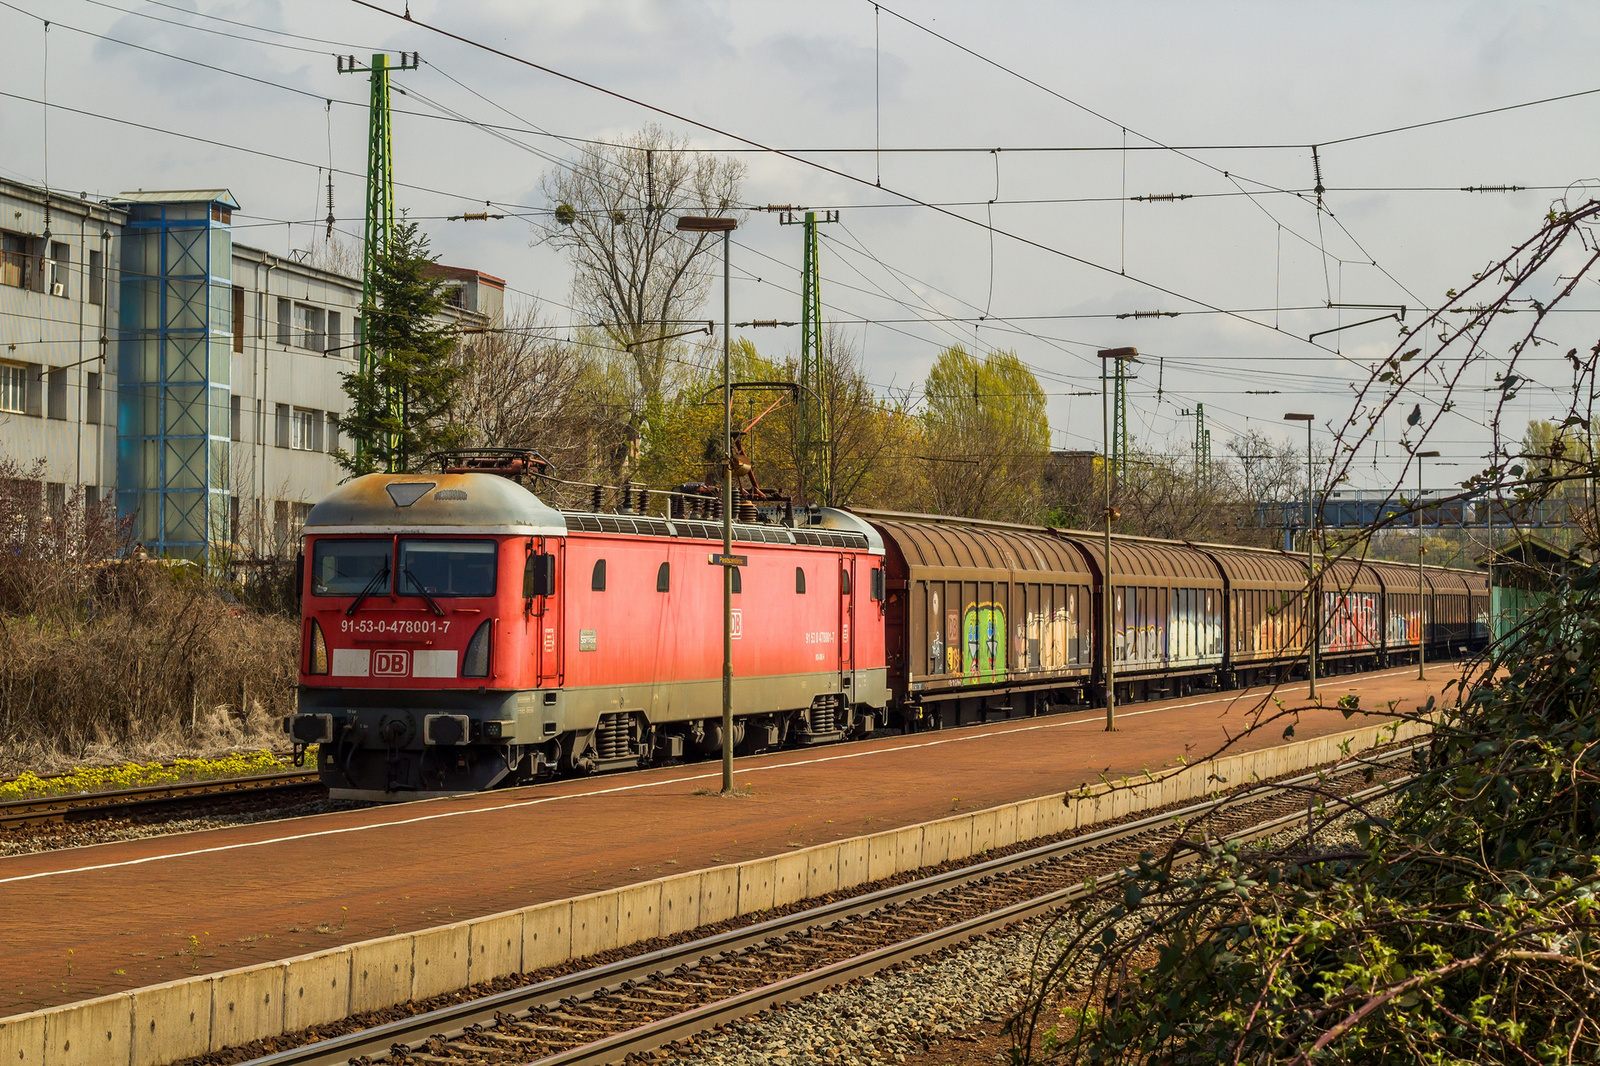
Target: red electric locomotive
x=460 y=634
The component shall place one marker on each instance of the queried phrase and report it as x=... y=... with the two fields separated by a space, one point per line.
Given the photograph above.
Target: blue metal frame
x=174 y=375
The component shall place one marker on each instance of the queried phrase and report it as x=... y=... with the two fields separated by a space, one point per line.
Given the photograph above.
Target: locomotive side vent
x=611 y=740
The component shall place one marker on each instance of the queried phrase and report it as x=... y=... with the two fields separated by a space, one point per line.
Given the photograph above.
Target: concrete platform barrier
x=170 y=1021
x=852 y=862
x=92 y=1033
x=790 y=878
x=246 y=1005
x=163 y=1023
x=594 y=924
x=380 y=973
x=719 y=894
x=639 y=913
x=494 y=947
x=547 y=934
x=316 y=990
x=681 y=901
x=22 y=1038
x=756 y=883
x=439 y=960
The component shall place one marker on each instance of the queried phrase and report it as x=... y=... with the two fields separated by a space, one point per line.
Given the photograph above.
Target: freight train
x=460 y=634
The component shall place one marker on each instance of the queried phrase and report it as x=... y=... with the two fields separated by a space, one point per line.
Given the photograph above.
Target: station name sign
x=728 y=560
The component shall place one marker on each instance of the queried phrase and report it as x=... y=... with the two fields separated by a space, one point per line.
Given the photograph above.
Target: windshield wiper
x=423 y=592
x=371 y=587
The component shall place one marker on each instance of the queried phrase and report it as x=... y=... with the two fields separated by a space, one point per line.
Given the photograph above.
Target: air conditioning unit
x=58 y=289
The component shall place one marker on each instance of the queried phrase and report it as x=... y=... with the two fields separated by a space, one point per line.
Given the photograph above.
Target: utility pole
x=724 y=226
x=380 y=203
x=815 y=431
x=1108 y=648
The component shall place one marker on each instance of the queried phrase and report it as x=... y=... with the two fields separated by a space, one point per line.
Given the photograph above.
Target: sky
x=1061 y=112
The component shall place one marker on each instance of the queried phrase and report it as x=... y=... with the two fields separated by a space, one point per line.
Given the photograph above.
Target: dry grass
x=105 y=656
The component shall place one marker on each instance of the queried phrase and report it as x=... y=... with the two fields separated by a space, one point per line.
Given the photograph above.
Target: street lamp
x=724 y=226
x=1422 y=618
x=1132 y=356
x=1313 y=611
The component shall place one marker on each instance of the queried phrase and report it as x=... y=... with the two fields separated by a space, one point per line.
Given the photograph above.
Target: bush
x=1460 y=929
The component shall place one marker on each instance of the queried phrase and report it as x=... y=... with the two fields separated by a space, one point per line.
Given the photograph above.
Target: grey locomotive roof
x=434 y=503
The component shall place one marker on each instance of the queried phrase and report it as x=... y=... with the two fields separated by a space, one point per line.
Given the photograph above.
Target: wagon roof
x=928 y=542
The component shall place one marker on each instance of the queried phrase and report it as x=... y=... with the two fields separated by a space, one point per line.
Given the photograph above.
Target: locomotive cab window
x=664 y=578
x=877 y=582
x=347 y=567
x=446 y=567
x=597 y=581
x=738 y=580
x=799 y=581
x=844 y=582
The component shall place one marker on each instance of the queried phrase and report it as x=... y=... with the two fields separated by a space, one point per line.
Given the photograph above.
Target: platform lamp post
x=1313 y=611
x=724 y=226
x=1106 y=355
x=1422 y=617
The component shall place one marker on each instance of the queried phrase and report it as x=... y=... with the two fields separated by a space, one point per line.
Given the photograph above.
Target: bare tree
x=524 y=388
x=638 y=278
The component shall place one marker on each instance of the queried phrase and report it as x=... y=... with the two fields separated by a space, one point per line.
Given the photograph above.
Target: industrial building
x=149 y=361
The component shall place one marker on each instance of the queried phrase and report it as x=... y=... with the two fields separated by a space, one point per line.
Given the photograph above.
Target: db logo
x=391 y=663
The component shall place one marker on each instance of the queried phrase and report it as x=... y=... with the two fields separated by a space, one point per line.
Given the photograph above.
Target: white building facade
x=146 y=358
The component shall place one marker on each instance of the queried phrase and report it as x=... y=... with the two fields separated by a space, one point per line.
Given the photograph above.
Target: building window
x=13 y=388
x=15 y=263
x=281 y=434
x=309 y=324
x=307 y=430
x=333 y=432
x=283 y=321
x=91 y=399
x=236 y=416
x=56 y=393
x=335 y=337
x=238 y=320
x=58 y=269
x=55 y=498
x=97 y=277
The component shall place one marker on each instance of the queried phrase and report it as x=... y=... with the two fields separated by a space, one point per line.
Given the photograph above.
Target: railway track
x=43 y=810
x=633 y=1006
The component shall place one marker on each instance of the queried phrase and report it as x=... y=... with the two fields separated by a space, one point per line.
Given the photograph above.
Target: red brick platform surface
x=88 y=921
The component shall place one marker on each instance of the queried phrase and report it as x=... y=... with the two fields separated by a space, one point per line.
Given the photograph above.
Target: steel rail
x=45 y=809
x=452 y=1020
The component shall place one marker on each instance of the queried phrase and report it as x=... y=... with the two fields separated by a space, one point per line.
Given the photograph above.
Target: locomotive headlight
x=319 y=650
x=476 y=661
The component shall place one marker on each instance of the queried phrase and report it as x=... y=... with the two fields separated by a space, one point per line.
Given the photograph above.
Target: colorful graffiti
x=1349 y=621
x=985 y=644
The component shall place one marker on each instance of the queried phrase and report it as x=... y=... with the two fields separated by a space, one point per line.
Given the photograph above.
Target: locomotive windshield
x=447 y=567
x=346 y=567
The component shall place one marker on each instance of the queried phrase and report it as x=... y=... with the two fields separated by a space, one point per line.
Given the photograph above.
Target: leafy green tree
x=400 y=405
x=986 y=435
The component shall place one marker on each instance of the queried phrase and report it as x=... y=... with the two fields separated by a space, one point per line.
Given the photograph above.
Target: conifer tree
x=400 y=404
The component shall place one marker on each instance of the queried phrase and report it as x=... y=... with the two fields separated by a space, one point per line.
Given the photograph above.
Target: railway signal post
x=1119 y=355
x=724 y=226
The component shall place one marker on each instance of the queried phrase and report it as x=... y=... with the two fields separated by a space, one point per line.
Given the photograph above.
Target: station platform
x=86 y=922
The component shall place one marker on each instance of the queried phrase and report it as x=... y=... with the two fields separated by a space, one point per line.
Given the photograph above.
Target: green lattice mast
x=814 y=429
x=1119 y=423
x=380 y=201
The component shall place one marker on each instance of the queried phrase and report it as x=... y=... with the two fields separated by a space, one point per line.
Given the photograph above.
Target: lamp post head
x=1292 y=417
x=1427 y=455
x=1119 y=353
x=706 y=224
